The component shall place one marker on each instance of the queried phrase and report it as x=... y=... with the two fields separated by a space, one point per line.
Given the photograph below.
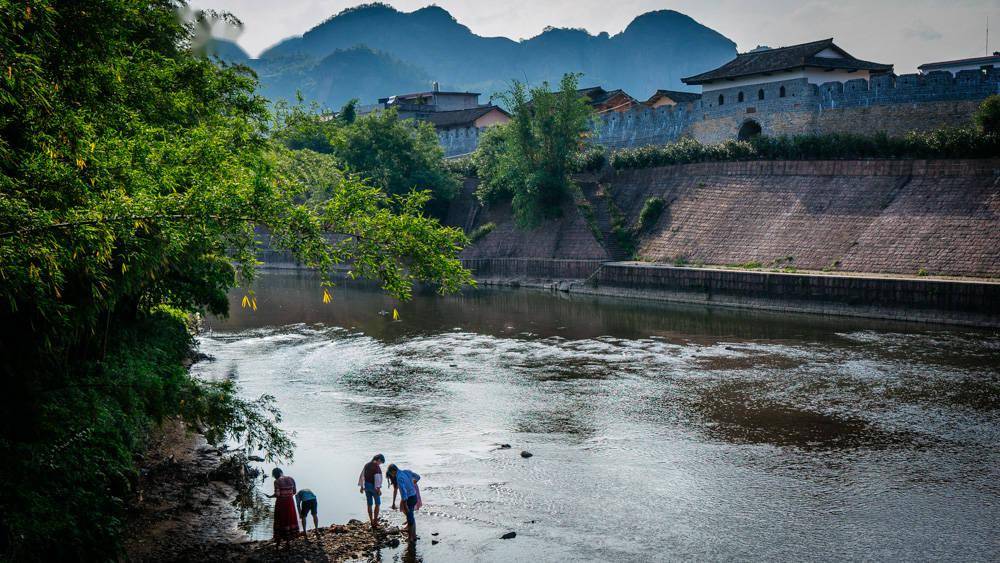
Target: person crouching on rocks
x=286 y=522
x=370 y=483
x=307 y=503
x=405 y=482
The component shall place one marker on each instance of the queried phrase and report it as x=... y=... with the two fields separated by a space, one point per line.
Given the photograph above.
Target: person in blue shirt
x=404 y=482
x=307 y=502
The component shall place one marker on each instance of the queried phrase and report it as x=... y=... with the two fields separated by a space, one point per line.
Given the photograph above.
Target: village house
x=671 y=98
x=983 y=64
x=446 y=111
x=817 y=62
x=604 y=101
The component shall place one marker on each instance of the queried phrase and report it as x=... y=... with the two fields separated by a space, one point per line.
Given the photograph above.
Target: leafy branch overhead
x=134 y=176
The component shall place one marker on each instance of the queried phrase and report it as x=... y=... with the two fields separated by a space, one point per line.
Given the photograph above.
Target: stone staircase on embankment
x=595 y=193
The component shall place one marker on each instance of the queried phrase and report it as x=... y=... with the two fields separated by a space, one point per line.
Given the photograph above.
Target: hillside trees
x=396 y=155
x=531 y=157
x=132 y=176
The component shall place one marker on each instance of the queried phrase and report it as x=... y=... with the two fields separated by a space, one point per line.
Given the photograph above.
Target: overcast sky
x=906 y=33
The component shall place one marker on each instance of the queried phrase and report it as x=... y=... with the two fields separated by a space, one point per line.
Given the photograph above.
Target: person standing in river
x=307 y=502
x=286 y=521
x=370 y=483
x=404 y=481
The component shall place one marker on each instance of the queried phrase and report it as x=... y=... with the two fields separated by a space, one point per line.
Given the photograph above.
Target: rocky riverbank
x=186 y=510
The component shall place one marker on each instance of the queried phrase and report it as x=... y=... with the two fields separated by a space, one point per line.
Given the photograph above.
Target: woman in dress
x=286 y=520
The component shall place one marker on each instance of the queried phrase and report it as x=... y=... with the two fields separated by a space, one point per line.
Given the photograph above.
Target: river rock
x=256 y=458
x=393 y=542
x=504 y=446
x=526 y=454
x=509 y=536
x=434 y=542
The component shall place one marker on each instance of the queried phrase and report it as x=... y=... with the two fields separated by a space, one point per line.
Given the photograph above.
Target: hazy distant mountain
x=226 y=50
x=358 y=72
x=407 y=51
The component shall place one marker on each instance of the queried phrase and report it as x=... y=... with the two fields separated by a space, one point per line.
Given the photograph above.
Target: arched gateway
x=749 y=130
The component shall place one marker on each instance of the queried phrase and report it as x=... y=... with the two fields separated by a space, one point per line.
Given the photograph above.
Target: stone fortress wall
x=889 y=103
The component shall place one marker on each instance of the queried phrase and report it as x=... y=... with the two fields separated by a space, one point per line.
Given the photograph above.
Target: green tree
x=397 y=155
x=304 y=127
x=349 y=112
x=133 y=174
x=532 y=156
x=987 y=117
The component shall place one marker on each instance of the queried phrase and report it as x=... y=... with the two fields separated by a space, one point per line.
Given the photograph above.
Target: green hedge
x=943 y=143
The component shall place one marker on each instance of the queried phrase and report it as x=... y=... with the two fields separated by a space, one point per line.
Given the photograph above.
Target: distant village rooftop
x=428 y=94
x=818 y=55
x=466 y=117
x=975 y=63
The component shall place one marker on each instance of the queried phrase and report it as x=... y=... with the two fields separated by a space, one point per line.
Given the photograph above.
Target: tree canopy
x=133 y=174
x=531 y=157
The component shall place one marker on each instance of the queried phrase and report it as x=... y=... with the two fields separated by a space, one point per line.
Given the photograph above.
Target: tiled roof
x=973 y=61
x=675 y=95
x=785 y=58
x=458 y=118
x=598 y=95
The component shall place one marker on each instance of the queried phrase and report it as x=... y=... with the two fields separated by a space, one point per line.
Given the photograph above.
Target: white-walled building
x=817 y=62
x=976 y=63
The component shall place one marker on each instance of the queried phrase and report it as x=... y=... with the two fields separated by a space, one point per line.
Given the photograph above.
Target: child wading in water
x=405 y=482
x=370 y=483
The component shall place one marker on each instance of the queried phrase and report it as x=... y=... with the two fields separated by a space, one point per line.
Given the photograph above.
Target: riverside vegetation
x=133 y=173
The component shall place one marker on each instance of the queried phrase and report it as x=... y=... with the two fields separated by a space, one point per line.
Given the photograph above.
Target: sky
x=906 y=33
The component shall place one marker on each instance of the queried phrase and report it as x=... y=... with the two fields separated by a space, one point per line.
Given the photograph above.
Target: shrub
x=587 y=210
x=943 y=143
x=481 y=231
x=987 y=117
x=463 y=167
x=650 y=213
x=590 y=160
x=624 y=235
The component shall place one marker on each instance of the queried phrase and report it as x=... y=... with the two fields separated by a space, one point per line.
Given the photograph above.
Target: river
x=659 y=432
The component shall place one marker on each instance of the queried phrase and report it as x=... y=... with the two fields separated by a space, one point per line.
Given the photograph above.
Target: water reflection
x=658 y=431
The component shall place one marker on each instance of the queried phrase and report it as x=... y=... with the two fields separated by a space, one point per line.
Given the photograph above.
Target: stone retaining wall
x=947 y=301
x=898 y=217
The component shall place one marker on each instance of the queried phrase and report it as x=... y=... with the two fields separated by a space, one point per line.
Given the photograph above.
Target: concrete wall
x=896 y=217
x=971 y=303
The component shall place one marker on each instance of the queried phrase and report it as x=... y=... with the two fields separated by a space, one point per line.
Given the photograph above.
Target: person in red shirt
x=370 y=483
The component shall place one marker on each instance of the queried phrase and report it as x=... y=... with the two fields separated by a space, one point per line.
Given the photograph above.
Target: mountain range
x=374 y=51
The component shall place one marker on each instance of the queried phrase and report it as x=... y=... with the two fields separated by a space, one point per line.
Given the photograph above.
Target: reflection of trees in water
x=255 y=510
x=286 y=299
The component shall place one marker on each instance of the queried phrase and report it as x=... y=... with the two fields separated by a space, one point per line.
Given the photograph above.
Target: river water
x=659 y=432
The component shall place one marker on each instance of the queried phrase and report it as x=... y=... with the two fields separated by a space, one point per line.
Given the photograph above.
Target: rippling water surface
x=658 y=432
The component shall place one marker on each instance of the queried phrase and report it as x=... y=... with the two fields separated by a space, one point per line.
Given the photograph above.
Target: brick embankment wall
x=567 y=238
x=899 y=217
x=947 y=301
